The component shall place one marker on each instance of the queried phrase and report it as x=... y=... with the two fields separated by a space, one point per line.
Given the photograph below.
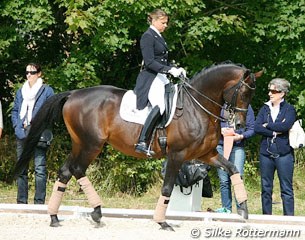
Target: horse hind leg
x=93 y=198
x=59 y=188
x=237 y=183
x=66 y=172
x=79 y=171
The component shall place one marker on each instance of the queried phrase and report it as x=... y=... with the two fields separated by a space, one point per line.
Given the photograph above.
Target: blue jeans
x=40 y=176
x=284 y=166
x=237 y=157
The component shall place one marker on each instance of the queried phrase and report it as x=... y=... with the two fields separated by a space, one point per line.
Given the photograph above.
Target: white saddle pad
x=130 y=113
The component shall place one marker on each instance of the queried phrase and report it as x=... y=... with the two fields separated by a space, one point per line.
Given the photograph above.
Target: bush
x=111 y=172
x=114 y=172
x=8 y=157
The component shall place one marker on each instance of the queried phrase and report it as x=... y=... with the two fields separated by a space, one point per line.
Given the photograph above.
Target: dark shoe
x=141 y=147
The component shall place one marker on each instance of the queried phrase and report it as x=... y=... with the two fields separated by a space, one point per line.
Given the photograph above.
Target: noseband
x=230 y=105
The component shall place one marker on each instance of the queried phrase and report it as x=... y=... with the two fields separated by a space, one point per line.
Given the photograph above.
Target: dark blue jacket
x=282 y=124
x=247 y=131
x=42 y=95
x=155 y=55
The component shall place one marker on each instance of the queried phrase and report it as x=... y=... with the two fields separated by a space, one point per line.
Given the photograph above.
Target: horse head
x=238 y=96
x=225 y=84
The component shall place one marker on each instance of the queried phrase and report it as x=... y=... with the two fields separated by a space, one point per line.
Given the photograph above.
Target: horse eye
x=244 y=95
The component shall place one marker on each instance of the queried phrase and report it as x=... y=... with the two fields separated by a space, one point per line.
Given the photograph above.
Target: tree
x=90 y=42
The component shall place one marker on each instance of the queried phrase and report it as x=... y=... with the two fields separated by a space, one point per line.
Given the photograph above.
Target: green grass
x=148 y=200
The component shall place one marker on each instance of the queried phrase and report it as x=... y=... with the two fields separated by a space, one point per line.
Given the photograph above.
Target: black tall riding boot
x=152 y=118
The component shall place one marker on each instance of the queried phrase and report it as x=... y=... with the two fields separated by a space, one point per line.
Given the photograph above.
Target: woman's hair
x=280 y=84
x=156 y=14
x=36 y=66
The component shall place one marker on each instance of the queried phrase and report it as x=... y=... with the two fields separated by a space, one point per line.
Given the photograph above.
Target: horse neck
x=211 y=88
x=213 y=83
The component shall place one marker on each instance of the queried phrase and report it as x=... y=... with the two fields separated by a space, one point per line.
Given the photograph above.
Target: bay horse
x=91 y=116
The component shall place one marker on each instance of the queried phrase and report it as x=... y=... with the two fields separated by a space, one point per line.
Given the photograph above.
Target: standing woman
x=29 y=99
x=151 y=81
x=273 y=122
x=235 y=155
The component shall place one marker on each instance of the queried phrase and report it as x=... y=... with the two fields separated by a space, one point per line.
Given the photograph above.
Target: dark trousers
x=40 y=176
x=284 y=166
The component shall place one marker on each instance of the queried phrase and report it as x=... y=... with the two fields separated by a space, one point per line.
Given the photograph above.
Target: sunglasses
x=273 y=91
x=31 y=72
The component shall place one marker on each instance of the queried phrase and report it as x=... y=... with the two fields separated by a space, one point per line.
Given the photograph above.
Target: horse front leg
x=171 y=173
x=237 y=183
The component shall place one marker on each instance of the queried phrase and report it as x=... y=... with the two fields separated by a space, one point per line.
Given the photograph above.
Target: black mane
x=214 y=67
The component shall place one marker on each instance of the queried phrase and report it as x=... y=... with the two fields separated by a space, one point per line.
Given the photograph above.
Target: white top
x=274 y=110
x=155 y=29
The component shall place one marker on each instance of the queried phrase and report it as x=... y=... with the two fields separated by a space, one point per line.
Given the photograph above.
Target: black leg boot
x=152 y=118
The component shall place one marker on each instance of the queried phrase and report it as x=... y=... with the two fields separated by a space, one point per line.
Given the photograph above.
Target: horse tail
x=48 y=114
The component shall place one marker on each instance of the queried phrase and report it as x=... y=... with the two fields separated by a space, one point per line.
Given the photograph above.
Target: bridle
x=230 y=106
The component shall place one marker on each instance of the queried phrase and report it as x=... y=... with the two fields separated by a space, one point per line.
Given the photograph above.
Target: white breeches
x=157 y=91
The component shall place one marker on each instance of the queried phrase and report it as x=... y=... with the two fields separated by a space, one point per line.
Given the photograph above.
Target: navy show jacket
x=155 y=55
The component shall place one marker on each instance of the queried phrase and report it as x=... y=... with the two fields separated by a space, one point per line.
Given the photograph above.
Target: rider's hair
x=156 y=14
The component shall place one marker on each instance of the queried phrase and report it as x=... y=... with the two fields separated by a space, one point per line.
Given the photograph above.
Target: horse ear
x=259 y=74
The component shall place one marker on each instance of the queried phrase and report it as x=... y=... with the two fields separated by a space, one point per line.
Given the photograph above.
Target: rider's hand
x=183 y=72
x=177 y=72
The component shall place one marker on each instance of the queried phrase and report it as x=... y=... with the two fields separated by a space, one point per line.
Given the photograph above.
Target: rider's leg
x=156 y=99
x=147 y=130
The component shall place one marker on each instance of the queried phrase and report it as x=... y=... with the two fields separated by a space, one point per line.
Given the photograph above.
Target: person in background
x=273 y=122
x=235 y=154
x=29 y=99
x=151 y=81
x=1 y=120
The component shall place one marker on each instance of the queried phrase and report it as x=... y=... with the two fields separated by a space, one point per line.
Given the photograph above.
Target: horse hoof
x=96 y=215
x=165 y=226
x=54 y=221
x=243 y=210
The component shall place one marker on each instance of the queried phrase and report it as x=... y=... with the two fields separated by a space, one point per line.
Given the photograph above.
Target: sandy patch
x=36 y=227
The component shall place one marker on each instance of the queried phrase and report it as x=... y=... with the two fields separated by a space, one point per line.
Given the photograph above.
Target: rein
x=230 y=107
x=186 y=84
